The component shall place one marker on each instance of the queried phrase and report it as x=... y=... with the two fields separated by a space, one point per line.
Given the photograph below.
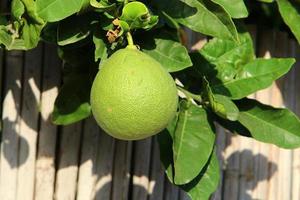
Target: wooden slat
x=273 y=172
x=96 y=163
x=288 y=93
x=66 y=176
x=277 y=99
x=246 y=180
x=141 y=164
x=296 y=154
x=183 y=195
x=246 y=168
x=171 y=192
x=2 y=55
x=1 y=97
x=273 y=157
x=220 y=145
x=261 y=150
x=261 y=163
x=231 y=174
x=45 y=161
x=4 y=6
x=284 y=174
x=296 y=175
x=252 y=29
x=104 y=165
x=87 y=170
x=11 y=118
x=29 y=123
x=121 y=173
x=194 y=41
x=157 y=178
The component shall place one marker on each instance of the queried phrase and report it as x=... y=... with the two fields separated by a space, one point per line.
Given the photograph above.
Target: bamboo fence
x=43 y=162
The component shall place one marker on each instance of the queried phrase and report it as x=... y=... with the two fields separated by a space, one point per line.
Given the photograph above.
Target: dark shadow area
x=177 y=10
x=100 y=194
x=10 y=148
x=23 y=82
x=267 y=16
x=242 y=177
x=146 y=39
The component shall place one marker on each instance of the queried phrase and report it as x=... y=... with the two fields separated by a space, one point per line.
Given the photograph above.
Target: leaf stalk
x=130 y=41
x=190 y=95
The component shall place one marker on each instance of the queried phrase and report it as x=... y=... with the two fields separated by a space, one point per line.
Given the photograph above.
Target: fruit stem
x=190 y=95
x=130 y=41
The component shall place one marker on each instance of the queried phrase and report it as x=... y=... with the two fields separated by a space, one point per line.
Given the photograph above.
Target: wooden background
x=41 y=161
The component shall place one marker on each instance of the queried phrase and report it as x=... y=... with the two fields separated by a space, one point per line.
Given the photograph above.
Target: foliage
x=214 y=81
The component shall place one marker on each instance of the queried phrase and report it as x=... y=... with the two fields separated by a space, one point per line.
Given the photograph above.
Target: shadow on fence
x=248 y=175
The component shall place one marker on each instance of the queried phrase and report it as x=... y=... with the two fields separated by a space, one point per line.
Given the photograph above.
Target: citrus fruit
x=133 y=96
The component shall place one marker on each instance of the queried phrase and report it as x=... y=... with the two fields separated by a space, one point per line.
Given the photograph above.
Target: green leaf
x=290 y=12
x=137 y=15
x=220 y=60
x=271 y=125
x=56 y=10
x=73 y=29
x=10 y=41
x=203 y=16
x=164 y=47
x=254 y=76
x=49 y=32
x=225 y=108
x=234 y=127
x=193 y=142
x=168 y=20
x=134 y=10
x=100 y=47
x=266 y=1
x=31 y=33
x=17 y=9
x=72 y=103
x=236 y=8
x=3 y=20
x=78 y=55
x=221 y=105
x=165 y=141
x=30 y=7
x=206 y=182
x=24 y=31
x=102 y=5
x=85 y=4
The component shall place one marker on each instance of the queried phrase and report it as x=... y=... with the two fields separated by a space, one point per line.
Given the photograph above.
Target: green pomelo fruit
x=133 y=96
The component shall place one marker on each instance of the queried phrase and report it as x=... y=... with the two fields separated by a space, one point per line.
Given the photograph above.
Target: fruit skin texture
x=133 y=96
